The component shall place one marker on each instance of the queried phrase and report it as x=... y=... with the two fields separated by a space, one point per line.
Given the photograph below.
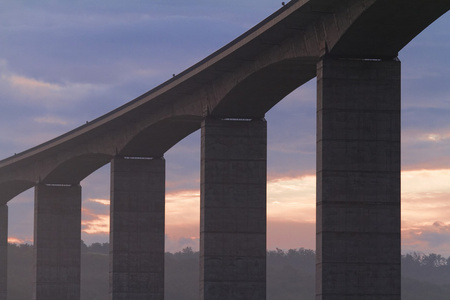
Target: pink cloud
x=430 y=238
x=290 y=235
x=16 y=240
x=94 y=223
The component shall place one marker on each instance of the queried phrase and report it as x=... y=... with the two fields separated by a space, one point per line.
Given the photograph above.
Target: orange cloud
x=290 y=235
x=100 y=201
x=292 y=199
x=427 y=237
x=291 y=213
x=16 y=240
x=94 y=223
x=30 y=84
x=425 y=195
x=182 y=208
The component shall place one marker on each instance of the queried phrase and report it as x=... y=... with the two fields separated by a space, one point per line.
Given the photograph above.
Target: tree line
x=290 y=274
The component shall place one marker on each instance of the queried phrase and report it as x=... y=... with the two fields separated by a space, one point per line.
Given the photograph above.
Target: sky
x=63 y=63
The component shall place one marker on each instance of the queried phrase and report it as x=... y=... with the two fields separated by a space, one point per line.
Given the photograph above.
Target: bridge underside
x=358 y=202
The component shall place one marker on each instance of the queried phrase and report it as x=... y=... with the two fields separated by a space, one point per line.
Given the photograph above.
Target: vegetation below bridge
x=290 y=274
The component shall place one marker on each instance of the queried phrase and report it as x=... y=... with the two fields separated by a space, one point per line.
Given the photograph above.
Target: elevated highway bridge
x=352 y=47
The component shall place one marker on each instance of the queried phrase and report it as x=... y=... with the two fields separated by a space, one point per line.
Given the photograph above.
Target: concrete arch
x=151 y=141
x=154 y=140
x=242 y=80
x=385 y=27
x=253 y=96
x=337 y=30
x=75 y=169
x=10 y=189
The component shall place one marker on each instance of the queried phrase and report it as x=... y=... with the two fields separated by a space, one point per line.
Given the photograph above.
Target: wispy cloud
x=291 y=214
x=95 y=220
x=288 y=234
x=101 y=201
x=51 y=120
x=30 y=85
x=183 y=208
x=292 y=199
x=16 y=240
x=428 y=237
x=94 y=223
x=425 y=211
x=420 y=183
x=38 y=92
x=177 y=244
x=427 y=147
x=63 y=64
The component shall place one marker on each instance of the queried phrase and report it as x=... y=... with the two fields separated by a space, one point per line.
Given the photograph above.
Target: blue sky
x=63 y=63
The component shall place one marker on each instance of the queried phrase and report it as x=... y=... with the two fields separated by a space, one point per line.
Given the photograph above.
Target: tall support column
x=358 y=180
x=57 y=242
x=233 y=210
x=137 y=229
x=3 y=250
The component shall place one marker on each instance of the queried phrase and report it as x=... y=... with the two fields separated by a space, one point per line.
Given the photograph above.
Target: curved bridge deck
x=352 y=47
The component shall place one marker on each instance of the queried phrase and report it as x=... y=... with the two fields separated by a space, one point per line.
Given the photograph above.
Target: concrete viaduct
x=351 y=46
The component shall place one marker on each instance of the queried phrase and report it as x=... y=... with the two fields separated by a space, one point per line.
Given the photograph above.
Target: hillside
x=290 y=274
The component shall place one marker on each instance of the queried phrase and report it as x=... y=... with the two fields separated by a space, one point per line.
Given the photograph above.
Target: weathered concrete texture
x=137 y=229
x=233 y=210
x=57 y=240
x=358 y=180
x=3 y=250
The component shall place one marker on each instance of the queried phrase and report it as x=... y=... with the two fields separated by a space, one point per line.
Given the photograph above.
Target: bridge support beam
x=57 y=242
x=233 y=210
x=137 y=229
x=358 y=180
x=3 y=250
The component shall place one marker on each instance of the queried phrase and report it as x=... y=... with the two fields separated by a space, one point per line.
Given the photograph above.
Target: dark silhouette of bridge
x=351 y=46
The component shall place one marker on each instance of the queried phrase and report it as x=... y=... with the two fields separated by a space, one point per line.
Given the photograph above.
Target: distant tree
x=290 y=274
x=99 y=248
x=434 y=260
x=182 y=275
x=20 y=271
x=95 y=273
x=84 y=248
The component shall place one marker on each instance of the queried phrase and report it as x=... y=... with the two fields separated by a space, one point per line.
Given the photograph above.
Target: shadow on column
x=137 y=228
x=233 y=210
x=57 y=242
x=358 y=179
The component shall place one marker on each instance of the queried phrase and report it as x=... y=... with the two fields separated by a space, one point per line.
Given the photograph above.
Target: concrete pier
x=3 y=250
x=233 y=210
x=57 y=240
x=137 y=228
x=358 y=179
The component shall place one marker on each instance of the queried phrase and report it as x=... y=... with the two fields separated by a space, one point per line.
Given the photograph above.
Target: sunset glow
x=14 y=240
x=291 y=213
x=95 y=224
x=67 y=64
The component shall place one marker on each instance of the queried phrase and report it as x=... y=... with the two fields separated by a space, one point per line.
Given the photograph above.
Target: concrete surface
x=57 y=242
x=137 y=229
x=243 y=79
x=358 y=153
x=233 y=210
x=358 y=180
